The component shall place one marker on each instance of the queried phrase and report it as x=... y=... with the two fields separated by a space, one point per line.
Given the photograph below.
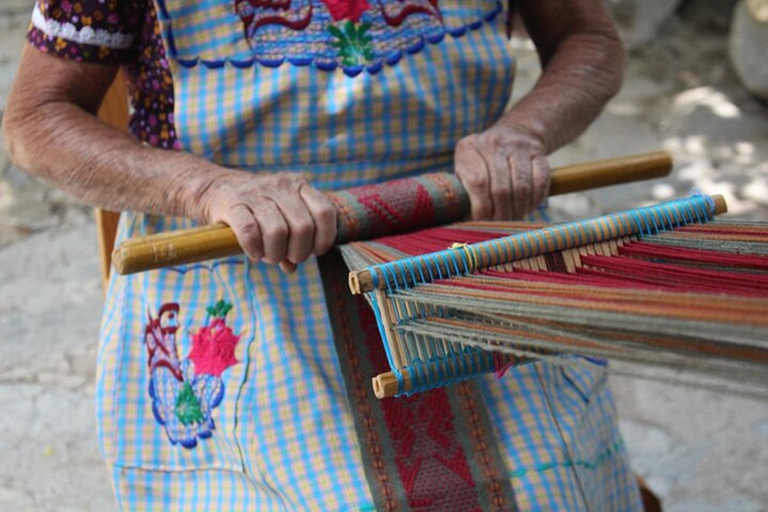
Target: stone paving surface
x=700 y=450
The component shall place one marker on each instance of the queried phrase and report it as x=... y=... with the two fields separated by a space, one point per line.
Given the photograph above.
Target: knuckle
x=285 y=180
x=244 y=227
x=325 y=242
x=249 y=237
x=327 y=214
x=275 y=232
x=326 y=238
x=254 y=254
x=498 y=138
x=475 y=180
x=468 y=143
x=303 y=228
x=542 y=182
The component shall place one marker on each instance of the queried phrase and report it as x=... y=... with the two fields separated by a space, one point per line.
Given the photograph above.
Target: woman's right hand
x=278 y=218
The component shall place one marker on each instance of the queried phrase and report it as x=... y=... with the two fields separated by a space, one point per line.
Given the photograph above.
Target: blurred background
x=695 y=78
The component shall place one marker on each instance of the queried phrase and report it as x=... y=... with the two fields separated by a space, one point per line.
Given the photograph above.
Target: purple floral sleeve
x=100 y=31
x=115 y=32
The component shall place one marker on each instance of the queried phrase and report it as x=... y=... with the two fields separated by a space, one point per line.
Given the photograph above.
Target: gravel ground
x=699 y=450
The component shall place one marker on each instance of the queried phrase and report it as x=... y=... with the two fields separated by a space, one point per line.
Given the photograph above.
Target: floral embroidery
x=347 y=9
x=354 y=34
x=213 y=347
x=184 y=393
x=354 y=44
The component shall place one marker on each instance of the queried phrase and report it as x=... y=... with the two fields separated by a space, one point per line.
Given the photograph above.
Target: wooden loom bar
x=218 y=240
x=385 y=384
x=364 y=281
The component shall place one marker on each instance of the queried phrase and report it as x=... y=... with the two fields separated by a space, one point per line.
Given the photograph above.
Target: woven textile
x=434 y=451
x=404 y=205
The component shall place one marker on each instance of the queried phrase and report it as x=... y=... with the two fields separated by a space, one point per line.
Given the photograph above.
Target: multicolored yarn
x=579 y=288
x=399 y=206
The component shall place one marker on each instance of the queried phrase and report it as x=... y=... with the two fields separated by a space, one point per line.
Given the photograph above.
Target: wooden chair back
x=113 y=110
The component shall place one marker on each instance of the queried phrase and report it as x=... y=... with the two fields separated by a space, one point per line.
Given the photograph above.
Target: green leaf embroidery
x=334 y=30
x=187 y=406
x=220 y=309
x=354 y=44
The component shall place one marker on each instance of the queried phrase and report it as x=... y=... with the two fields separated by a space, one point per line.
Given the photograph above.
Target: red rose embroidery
x=213 y=348
x=347 y=9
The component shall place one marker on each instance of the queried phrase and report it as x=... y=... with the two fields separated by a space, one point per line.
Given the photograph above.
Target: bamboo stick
x=218 y=240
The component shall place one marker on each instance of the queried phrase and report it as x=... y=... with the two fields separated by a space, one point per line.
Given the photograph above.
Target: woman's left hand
x=504 y=171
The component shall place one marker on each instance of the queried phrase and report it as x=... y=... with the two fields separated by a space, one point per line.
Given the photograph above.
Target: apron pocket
x=180 y=359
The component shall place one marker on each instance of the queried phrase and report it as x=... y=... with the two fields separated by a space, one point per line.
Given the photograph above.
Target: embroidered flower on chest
x=354 y=44
x=347 y=9
x=354 y=35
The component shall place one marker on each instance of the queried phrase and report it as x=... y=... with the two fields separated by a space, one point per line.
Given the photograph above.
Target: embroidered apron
x=231 y=366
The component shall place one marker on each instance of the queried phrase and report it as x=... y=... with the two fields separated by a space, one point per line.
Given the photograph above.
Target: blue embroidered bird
x=184 y=393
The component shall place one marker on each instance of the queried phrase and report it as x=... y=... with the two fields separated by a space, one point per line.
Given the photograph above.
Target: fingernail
x=287 y=267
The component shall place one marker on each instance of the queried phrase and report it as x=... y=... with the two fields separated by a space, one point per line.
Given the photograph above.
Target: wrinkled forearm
x=579 y=77
x=52 y=132
x=103 y=166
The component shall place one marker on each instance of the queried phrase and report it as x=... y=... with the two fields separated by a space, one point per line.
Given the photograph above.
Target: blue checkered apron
x=348 y=92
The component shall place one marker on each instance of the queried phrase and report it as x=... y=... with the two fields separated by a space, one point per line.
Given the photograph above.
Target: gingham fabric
x=401 y=119
x=218 y=386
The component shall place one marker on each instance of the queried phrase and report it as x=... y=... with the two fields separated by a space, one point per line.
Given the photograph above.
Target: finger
x=287 y=267
x=301 y=227
x=501 y=185
x=323 y=215
x=274 y=231
x=520 y=167
x=473 y=174
x=542 y=178
x=242 y=221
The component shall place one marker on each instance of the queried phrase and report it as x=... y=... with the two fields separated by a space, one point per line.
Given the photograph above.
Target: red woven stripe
x=733 y=260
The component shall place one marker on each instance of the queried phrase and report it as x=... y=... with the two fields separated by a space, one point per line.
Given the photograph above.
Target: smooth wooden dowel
x=218 y=240
x=614 y=171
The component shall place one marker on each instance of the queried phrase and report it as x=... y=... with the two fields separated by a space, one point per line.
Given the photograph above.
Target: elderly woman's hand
x=276 y=218
x=504 y=171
